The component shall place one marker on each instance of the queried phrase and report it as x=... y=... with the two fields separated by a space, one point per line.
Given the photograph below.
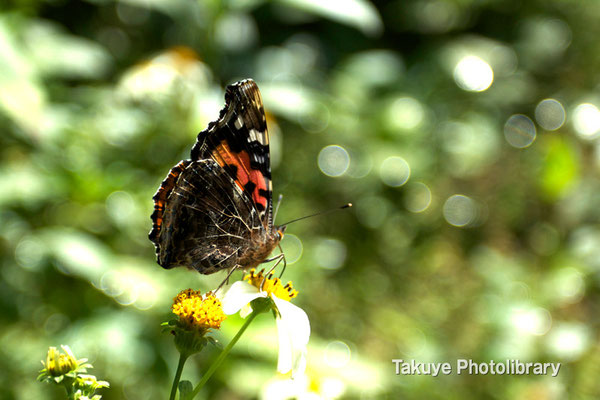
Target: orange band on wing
x=160 y=198
x=244 y=172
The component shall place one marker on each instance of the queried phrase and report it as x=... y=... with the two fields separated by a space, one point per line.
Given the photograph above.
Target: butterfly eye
x=280 y=232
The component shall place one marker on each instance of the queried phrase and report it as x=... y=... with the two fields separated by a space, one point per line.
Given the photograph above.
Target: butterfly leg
x=231 y=271
x=284 y=261
x=279 y=257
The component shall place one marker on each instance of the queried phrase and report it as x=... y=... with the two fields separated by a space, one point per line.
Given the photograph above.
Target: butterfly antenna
x=348 y=205
x=277 y=206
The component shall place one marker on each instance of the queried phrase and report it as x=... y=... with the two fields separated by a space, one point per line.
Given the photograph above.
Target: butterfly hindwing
x=207 y=196
x=160 y=200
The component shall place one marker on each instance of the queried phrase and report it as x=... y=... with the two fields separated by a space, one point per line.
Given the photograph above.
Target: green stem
x=182 y=360
x=68 y=385
x=222 y=356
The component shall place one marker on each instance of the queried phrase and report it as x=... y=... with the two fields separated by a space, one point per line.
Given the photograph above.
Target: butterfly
x=214 y=211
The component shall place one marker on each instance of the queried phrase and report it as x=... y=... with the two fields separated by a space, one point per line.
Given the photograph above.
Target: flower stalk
x=182 y=359
x=258 y=308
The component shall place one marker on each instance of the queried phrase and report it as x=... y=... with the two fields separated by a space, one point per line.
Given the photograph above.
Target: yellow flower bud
x=59 y=364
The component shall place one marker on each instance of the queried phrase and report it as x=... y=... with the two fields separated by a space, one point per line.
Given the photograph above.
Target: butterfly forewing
x=239 y=142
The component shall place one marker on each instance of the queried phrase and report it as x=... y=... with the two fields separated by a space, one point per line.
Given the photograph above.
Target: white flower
x=293 y=327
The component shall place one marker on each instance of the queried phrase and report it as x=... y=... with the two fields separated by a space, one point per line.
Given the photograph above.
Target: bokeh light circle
x=568 y=285
x=317 y=120
x=147 y=296
x=460 y=210
x=292 y=248
x=405 y=113
x=120 y=206
x=235 y=31
x=337 y=354
x=333 y=160
x=550 y=114
x=330 y=253
x=372 y=211
x=586 y=120
x=394 y=171
x=519 y=131
x=532 y=321
x=29 y=253
x=473 y=74
x=418 y=197
x=569 y=340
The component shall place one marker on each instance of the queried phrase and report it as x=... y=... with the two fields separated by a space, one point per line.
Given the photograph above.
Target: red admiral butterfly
x=215 y=211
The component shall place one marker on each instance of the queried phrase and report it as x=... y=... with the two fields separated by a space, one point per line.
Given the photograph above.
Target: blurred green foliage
x=465 y=133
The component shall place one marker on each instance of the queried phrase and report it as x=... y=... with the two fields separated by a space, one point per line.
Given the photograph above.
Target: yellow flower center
x=271 y=285
x=198 y=311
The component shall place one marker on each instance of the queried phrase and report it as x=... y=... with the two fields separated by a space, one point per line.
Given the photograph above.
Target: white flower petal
x=293 y=330
x=284 y=361
x=220 y=293
x=238 y=295
x=246 y=310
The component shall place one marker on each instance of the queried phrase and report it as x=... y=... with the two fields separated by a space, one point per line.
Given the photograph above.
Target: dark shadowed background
x=465 y=132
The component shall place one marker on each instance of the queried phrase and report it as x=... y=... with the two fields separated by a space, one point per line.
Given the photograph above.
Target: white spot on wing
x=239 y=122
x=260 y=137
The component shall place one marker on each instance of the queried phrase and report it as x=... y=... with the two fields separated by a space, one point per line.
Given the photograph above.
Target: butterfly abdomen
x=259 y=251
